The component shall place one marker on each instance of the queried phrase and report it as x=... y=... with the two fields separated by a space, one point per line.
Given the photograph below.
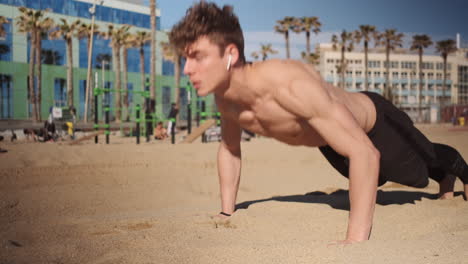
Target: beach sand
x=152 y=203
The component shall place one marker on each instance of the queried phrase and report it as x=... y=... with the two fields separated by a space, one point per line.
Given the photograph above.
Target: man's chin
x=202 y=93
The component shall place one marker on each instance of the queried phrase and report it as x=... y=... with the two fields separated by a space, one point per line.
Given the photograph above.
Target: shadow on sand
x=339 y=199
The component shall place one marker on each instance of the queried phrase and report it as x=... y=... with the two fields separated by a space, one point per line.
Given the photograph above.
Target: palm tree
x=283 y=27
x=445 y=47
x=3 y=20
x=170 y=54
x=346 y=44
x=153 y=57
x=389 y=39
x=33 y=23
x=140 y=39
x=67 y=32
x=85 y=31
x=307 y=24
x=311 y=58
x=420 y=42
x=366 y=33
x=117 y=36
x=255 y=55
x=265 y=50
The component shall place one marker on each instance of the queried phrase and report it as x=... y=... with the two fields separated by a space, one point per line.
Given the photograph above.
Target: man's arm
x=334 y=122
x=229 y=161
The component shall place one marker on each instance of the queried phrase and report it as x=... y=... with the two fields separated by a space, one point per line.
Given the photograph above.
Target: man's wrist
x=225 y=214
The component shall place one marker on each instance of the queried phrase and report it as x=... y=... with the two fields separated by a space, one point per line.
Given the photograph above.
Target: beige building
x=404 y=76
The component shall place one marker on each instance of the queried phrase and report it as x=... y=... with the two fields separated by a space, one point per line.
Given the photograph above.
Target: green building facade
x=14 y=62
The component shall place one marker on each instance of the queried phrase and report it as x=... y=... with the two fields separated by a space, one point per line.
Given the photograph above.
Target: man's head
x=211 y=39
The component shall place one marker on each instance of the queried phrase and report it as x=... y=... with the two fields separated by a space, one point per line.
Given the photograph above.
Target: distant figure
x=13 y=136
x=160 y=132
x=2 y=150
x=172 y=115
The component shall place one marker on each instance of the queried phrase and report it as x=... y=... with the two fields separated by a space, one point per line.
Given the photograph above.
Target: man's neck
x=237 y=82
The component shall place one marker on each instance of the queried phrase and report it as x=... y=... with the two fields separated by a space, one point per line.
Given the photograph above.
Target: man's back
x=257 y=101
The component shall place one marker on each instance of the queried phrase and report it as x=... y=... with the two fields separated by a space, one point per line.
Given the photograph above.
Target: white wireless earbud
x=229 y=62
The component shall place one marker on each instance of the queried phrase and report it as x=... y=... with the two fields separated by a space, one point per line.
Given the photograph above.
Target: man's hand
x=220 y=217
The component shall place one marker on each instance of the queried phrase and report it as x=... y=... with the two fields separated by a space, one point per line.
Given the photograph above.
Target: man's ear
x=232 y=50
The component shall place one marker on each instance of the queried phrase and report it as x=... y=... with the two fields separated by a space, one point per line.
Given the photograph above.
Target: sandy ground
x=151 y=203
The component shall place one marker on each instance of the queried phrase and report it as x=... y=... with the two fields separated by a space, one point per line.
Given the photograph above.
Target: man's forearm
x=363 y=180
x=229 y=166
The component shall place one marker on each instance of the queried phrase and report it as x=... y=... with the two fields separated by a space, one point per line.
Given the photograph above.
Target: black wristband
x=223 y=213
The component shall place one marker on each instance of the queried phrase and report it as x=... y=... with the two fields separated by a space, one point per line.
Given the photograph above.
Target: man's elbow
x=370 y=153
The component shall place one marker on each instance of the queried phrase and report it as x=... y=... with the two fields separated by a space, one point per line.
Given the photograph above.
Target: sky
x=440 y=19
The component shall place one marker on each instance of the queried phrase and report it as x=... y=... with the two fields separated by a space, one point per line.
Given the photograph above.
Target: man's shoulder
x=275 y=64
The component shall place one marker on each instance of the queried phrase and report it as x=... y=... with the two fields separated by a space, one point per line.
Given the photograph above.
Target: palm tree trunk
x=366 y=50
x=142 y=68
x=69 y=72
x=125 y=82
x=153 y=56
x=308 y=42
x=444 y=85
x=286 y=36
x=420 y=86
x=32 y=91
x=177 y=85
x=39 y=75
x=342 y=66
x=89 y=83
x=387 y=92
x=118 y=86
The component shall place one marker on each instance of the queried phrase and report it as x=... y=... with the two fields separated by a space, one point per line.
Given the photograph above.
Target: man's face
x=205 y=67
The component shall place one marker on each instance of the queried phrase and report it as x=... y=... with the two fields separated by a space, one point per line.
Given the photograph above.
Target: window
x=358 y=73
x=439 y=66
x=167 y=68
x=395 y=75
x=428 y=65
x=53 y=52
x=374 y=64
x=60 y=92
x=6 y=96
x=393 y=64
x=102 y=53
x=408 y=65
x=376 y=74
x=6 y=43
x=404 y=75
x=430 y=76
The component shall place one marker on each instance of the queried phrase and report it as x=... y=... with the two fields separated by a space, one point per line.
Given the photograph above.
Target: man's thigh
x=400 y=160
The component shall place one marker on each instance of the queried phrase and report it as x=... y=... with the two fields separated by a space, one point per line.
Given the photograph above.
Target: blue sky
x=441 y=19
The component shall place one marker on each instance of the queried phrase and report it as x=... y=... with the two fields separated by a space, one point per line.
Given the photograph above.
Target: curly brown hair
x=221 y=26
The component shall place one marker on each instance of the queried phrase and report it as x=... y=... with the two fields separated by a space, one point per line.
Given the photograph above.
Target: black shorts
x=405 y=153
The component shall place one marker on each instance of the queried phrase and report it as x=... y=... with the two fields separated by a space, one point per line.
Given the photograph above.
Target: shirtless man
x=362 y=135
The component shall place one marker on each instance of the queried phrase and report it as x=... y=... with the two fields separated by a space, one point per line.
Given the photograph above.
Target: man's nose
x=187 y=68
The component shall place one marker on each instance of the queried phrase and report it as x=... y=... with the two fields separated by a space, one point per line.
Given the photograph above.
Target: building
x=404 y=76
x=15 y=47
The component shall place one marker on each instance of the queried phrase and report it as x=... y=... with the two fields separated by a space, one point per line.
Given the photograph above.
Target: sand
x=152 y=203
